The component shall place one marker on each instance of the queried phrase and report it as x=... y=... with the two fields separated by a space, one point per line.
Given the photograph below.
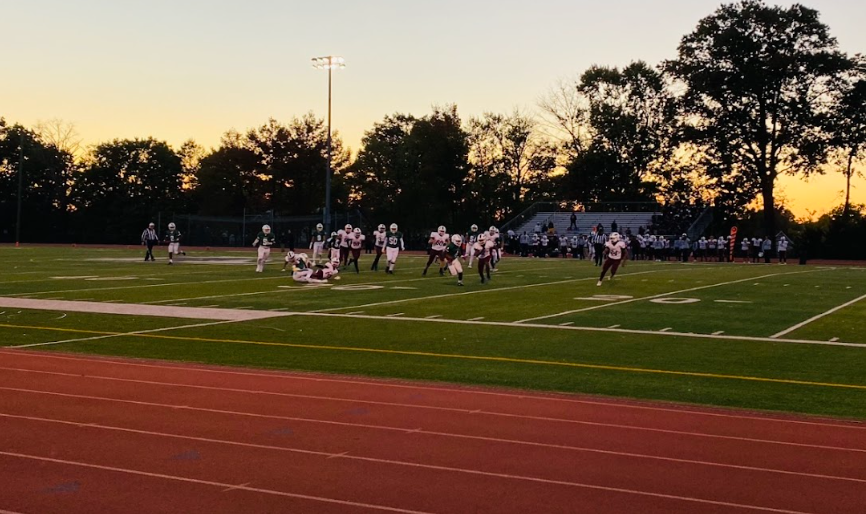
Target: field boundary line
x=490 y=358
x=228 y=442
x=404 y=405
x=661 y=295
x=817 y=317
x=552 y=396
x=209 y=482
x=477 y=291
x=121 y=334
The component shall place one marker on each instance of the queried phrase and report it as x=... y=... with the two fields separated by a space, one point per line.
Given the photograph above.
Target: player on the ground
x=615 y=253
x=379 y=237
x=321 y=274
x=290 y=259
x=393 y=245
x=471 y=239
x=344 y=234
x=317 y=242
x=333 y=246
x=452 y=254
x=356 y=244
x=173 y=239
x=301 y=271
x=264 y=241
x=438 y=242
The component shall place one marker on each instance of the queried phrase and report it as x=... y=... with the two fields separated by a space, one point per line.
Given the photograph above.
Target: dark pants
x=610 y=264
x=599 y=253
x=150 y=244
x=375 y=266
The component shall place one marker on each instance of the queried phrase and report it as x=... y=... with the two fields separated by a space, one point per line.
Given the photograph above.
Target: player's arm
x=256 y=242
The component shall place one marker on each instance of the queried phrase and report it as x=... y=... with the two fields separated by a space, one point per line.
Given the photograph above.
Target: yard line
x=140 y=286
x=533 y=395
x=394 y=315
x=139 y=332
x=718 y=333
x=731 y=301
x=357 y=312
x=816 y=318
x=434 y=316
x=222 y=485
x=479 y=291
x=660 y=295
x=567 y=323
x=479 y=318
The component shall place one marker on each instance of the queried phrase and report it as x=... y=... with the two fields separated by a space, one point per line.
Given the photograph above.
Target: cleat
x=424 y=273
x=459 y=282
x=599 y=283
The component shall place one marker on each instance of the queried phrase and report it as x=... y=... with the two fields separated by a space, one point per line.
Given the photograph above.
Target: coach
x=598 y=241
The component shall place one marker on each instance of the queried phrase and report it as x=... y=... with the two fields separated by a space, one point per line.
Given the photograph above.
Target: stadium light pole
x=330 y=63
x=20 y=191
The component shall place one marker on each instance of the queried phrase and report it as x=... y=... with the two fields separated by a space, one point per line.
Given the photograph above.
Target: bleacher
x=587 y=220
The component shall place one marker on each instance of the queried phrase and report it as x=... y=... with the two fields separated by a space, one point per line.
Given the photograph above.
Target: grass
x=649 y=353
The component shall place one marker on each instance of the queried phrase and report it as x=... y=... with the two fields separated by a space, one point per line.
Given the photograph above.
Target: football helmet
x=357 y=231
x=614 y=237
x=290 y=256
x=266 y=229
x=441 y=230
x=493 y=230
x=333 y=234
x=483 y=237
x=320 y=227
x=381 y=227
x=456 y=239
x=172 y=226
x=347 y=228
x=474 y=228
x=393 y=228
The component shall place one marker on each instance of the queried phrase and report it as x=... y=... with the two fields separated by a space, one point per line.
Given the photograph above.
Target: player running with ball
x=615 y=253
x=438 y=242
x=264 y=241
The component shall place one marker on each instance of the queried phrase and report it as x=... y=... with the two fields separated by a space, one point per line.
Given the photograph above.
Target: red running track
x=83 y=435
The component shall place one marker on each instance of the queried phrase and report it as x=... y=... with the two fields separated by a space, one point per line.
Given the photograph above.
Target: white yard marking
x=567 y=323
x=816 y=318
x=404 y=288
x=94 y=338
x=394 y=315
x=61 y=316
x=668 y=329
x=248 y=279
x=613 y=326
x=731 y=301
x=718 y=333
x=434 y=316
x=280 y=309
x=662 y=295
x=357 y=312
x=833 y=340
x=479 y=318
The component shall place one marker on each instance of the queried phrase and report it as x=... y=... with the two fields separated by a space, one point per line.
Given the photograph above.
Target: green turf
x=738 y=300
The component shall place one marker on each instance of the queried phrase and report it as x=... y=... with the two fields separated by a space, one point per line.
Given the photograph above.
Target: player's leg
x=356 y=254
x=457 y=269
x=613 y=267
x=443 y=263
x=432 y=256
x=375 y=266
x=605 y=267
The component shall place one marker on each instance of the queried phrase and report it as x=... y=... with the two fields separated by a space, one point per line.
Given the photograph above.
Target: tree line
x=755 y=91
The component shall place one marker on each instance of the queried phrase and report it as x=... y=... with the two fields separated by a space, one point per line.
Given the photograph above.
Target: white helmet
x=266 y=229
x=172 y=226
x=441 y=230
x=347 y=228
x=333 y=234
x=474 y=228
x=320 y=227
x=614 y=237
x=382 y=227
x=302 y=257
x=290 y=256
x=394 y=228
x=483 y=237
x=456 y=239
x=357 y=231
x=493 y=230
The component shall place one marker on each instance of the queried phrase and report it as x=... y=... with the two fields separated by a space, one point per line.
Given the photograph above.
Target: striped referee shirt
x=149 y=234
x=598 y=239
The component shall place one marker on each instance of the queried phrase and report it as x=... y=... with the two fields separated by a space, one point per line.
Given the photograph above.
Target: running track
x=84 y=435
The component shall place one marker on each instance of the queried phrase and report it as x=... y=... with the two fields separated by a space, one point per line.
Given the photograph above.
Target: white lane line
x=479 y=318
x=403 y=405
x=94 y=338
x=567 y=323
x=531 y=396
x=661 y=295
x=816 y=318
x=141 y=286
x=99 y=426
x=479 y=291
x=207 y=482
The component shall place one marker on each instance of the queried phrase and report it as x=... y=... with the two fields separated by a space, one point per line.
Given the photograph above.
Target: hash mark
x=666 y=329
x=718 y=333
x=567 y=323
x=613 y=326
x=479 y=318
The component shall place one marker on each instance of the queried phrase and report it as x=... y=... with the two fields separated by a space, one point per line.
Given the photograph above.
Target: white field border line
x=138 y=276
x=816 y=318
x=478 y=291
x=211 y=483
x=145 y=286
x=9 y=512
x=95 y=338
x=418 y=430
x=579 y=485
x=295 y=289
x=662 y=295
x=99 y=426
x=529 y=395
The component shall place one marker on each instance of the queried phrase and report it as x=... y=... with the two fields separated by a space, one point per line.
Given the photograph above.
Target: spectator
x=613 y=226
x=550 y=228
x=537 y=228
x=573 y=224
x=524 y=244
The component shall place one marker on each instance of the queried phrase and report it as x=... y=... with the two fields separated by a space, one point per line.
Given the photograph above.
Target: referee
x=149 y=238
x=598 y=241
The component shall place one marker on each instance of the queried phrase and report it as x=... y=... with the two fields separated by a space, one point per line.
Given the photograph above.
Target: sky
x=193 y=69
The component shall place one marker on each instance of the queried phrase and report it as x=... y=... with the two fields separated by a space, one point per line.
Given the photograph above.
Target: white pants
x=264 y=253
x=318 y=249
x=470 y=251
x=303 y=275
x=335 y=254
x=455 y=267
x=391 y=254
x=174 y=248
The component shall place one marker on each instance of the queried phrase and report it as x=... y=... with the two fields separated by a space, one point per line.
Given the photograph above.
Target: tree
x=755 y=97
x=566 y=116
x=60 y=134
x=849 y=129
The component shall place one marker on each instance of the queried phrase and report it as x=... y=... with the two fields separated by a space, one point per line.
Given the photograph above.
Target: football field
x=789 y=338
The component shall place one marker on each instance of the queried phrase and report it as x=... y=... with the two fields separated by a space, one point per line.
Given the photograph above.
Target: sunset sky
x=180 y=69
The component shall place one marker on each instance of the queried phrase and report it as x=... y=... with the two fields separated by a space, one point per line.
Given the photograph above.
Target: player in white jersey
x=356 y=244
x=344 y=235
x=782 y=247
x=482 y=251
x=470 y=239
x=321 y=274
x=438 y=242
x=615 y=254
x=496 y=254
x=379 y=238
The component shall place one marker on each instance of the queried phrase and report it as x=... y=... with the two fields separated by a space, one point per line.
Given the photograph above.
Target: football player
x=452 y=254
x=438 y=241
x=496 y=253
x=173 y=240
x=482 y=250
x=333 y=246
x=301 y=271
x=782 y=247
x=356 y=244
x=471 y=239
x=264 y=241
x=290 y=259
x=317 y=242
x=344 y=234
x=615 y=253
x=393 y=245
x=322 y=273
x=379 y=237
